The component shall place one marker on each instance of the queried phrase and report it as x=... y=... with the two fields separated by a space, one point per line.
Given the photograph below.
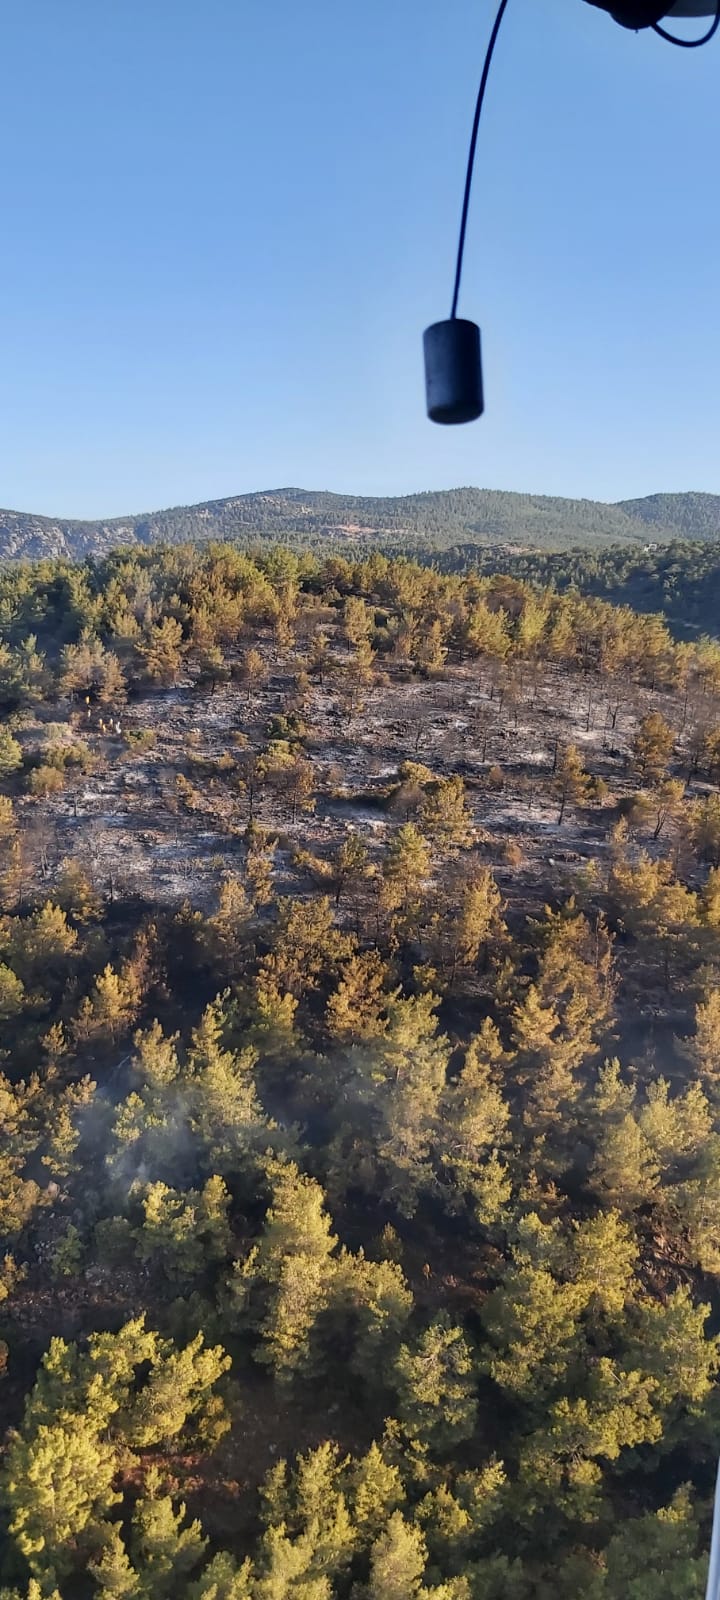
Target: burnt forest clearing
x=360 y=1172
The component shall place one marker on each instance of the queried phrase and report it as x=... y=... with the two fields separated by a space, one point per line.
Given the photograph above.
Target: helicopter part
x=638 y=14
x=712 y=1591
x=453 y=369
x=453 y=363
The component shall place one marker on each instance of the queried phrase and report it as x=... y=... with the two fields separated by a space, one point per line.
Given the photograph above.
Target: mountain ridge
x=432 y=518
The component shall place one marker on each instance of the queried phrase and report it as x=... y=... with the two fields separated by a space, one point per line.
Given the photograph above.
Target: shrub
x=45 y=781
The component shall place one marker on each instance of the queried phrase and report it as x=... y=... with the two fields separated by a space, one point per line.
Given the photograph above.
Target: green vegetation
x=359 y=1088
x=306 y=519
x=680 y=580
x=660 y=554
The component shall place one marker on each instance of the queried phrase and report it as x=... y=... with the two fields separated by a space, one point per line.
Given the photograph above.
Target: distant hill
x=309 y=519
x=693 y=516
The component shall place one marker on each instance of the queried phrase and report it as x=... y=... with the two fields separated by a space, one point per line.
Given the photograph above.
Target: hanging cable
x=690 y=44
x=471 y=152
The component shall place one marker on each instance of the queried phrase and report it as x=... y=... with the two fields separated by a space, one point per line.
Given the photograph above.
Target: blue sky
x=226 y=223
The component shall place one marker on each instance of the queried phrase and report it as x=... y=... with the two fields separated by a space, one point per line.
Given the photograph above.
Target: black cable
x=471 y=152
x=684 y=44
x=690 y=44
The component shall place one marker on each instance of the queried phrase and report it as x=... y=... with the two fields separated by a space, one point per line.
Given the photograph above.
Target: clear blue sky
x=226 y=223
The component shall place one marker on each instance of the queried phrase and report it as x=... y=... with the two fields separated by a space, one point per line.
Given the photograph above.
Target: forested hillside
x=681 y=580
x=360 y=1085
x=306 y=519
x=695 y=516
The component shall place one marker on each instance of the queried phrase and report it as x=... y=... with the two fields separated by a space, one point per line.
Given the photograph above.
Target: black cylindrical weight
x=453 y=371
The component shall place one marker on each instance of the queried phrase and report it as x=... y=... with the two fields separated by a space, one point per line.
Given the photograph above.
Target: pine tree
x=624 y=1170
x=34 y=1591
x=223 y=1579
x=363 y=663
x=604 y=1255
x=219 y=1095
x=480 y=916
x=397 y=1561
x=710 y=900
x=212 y=666
x=357 y=621
x=156 y=1064
x=319 y=656
x=429 y=650
x=112 y=1007
x=259 y=868
x=532 y=623
x=704 y=828
x=405 y=875
x=286 y=1569
x=560 y=1472
x=532 y=1324
x=133 y=1386
x=252 y=672
x=164 y=1551
x=180 y=1386
x=666 y=804
x=445 y=817
x=111 y=688
x=227 y=929
x=468 y=923
x=161 y=651
x=653 y=747
x=115 y=1577
x=283 y=1285
x=58 y=1487
x=68 y=1253
x=11 y=754
x=82 y=666
x=11 y=1274
x=400 y=1078
x=95 y=1383
x=12 y=994
x=8 y=820
x=571 y=782
x=668 y=1342
x=659 y=1556
x=357 y=1008
x=675 y=1129
x=308 y=945
x=349 y=865
x=486 y=632
x=169 y=1235
x=473 y=1123
x=562 y=641
x=369 y=1304
x=612 y=1098
x=75 y=892
x=455 y=1520
x=704 y=1047
x=437 y=1398
x=213 y=1207
x=375 y=1491
x=310 y=1503
x=547 y=1059
x=696 y=1203
x=476 y=1114
x=41 y=946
